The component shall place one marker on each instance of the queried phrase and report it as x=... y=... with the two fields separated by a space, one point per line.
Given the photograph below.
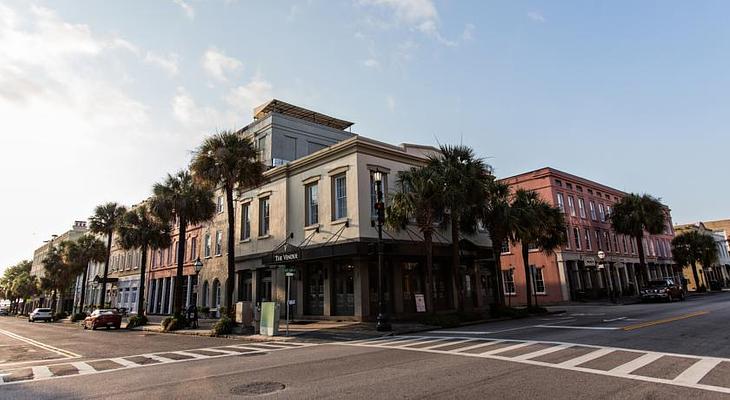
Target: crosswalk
x=707 y=373
x=86 y=367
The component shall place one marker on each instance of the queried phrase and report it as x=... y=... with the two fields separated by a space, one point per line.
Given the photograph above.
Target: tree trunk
x=456 y=263
x=84 y=276
x=142 y=272
x=696 y=275
x=430 y=301
x=54 y=301
x=106 y=270
x=499 y=290
x=528 y=281
x=177 y=298
x=642 y=259
x=230 y=253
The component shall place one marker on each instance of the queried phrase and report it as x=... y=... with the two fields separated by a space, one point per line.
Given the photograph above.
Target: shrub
x=136 y=320
x=78 y=317
x=222 y=311
x=224 y=326
x=204 y=311
x=174 y=323
x=59 y=316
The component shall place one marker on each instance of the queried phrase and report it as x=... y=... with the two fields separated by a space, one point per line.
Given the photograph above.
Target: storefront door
x=314 y=287
x=344 y=287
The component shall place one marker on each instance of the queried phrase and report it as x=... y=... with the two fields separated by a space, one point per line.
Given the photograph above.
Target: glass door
x=344 y=287
x=314 y=287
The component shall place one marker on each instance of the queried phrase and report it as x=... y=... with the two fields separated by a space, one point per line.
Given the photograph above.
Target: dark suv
x=662 y=289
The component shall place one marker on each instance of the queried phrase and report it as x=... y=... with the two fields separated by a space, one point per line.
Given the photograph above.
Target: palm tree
x=496 y=215
x=180 y=198
x=536 y=223
x=692 y=247
x=58 y=275
x=17 y=283
x=463 y=177
x=228 y=160
x=419 y=198
x=635 y=214
x=139 y=229
x=103 y=222
x=24 y=286
x=79 y=254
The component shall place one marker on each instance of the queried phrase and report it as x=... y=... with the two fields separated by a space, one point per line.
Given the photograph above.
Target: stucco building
x=574 y=271
x=710 y=276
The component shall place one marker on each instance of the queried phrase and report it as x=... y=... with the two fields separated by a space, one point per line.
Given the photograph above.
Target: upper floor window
x=538 y=279
x=602 y=212
x=561 y=203
x=219 y=204
x=218 y=243
x=245 y=221
x=587 y=234
x=311 y=202
x=206 y=250
x=508 y=277
x=567 y=236
x=582 y=207
x=505 y=247
x=571 y=205
x=608 y=211
x=598 y=241
x=264 y=213
x=194 y=248
x=576 y=236
x=261 y=147
x=339 y=184
x=592 y=209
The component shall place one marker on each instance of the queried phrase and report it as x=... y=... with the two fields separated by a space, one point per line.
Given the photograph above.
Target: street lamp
x=383 y=324
x=198 y=266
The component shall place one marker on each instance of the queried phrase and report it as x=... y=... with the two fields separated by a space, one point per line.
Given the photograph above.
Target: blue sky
x=100 y=99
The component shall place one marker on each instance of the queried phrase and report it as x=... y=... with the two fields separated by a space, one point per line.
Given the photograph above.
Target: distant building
x=722 y=227
x=710 y=276
x=574 y=271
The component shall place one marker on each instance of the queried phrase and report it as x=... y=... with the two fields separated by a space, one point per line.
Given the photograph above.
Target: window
x=219 y=204
x=339 y=183
x=207 y=245
x=261 y=147
x=206 y=290
x=608 y=212
x=576 y=235
x=599 y=245
x=245 y=221
x=561 y=204
x=176 y=246
x=626 y=249
x=582 y=207
x=538 y=280
x=571 y=205
x=264 y=216
x=218 y=243
x=505 y=247
x=216 y=293
x=633 y=246
x=592 y=207
x=169 y=255
x=615 y=243
x=607 y=240
x=194 y=248
x=567 y=236
x=587 y=234
x=311 y=201
x=508 y=277
x=602 y=212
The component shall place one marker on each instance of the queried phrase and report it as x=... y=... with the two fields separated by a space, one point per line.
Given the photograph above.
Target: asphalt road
x=652 y=351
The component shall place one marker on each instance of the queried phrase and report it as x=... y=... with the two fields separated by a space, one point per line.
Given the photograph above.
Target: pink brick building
x=574 y=272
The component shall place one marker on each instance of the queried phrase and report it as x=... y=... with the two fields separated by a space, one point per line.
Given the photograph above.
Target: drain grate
x=257 y=388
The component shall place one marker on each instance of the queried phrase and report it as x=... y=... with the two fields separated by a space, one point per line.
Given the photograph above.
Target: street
x=675 y=350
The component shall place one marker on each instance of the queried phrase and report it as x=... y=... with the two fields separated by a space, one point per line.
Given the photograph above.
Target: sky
x=100 y=99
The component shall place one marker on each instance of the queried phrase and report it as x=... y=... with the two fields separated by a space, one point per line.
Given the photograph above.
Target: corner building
x=573 y=272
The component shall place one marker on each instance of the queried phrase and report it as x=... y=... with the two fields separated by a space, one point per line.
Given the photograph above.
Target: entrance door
x=344 y=285
x=315 y=290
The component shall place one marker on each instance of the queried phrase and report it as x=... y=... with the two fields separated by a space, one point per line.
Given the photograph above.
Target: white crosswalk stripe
x=43 y=372
x=691 y=377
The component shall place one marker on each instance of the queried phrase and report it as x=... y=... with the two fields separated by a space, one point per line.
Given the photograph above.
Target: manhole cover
x=257 y=388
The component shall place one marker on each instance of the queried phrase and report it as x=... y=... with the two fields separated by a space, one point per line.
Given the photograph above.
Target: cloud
x=536 y=16
x=218 y=65
x=418 y=15
x=390 y=103
x=245 y=98
x=468 y=33
x=168 y=63
x=371 y=63
x=187 y=8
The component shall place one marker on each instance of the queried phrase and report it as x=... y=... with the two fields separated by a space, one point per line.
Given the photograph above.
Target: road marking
x=451 y=343
x=463 y=332
x=41 y=372
x=697 y=371
x=61 y=352
x=588 y=328
x=663 y=321
x=505 y=349
x=586 y=357
x=614 y=319
x=83 y=367
x=689 y=378
x=124 y=362
x=543 y=352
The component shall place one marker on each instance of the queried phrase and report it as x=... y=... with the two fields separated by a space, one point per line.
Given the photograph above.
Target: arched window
x=216 y=293
x=205 y=294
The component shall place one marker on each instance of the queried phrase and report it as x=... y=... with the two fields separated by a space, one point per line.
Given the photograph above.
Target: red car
x=103 y=318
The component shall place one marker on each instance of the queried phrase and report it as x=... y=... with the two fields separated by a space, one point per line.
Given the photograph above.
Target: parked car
x=40 y=314
x=662 y=289
x=4 y=311
x=103 y=318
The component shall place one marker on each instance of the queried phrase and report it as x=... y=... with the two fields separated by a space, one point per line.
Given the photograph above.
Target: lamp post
x=198 y=266
x=383 y=323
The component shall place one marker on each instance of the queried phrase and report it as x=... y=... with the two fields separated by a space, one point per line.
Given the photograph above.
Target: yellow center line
x=663 y=321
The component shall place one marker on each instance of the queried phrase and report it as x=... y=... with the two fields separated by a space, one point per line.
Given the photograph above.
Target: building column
x=563 y=276
x=163 y=296
x=172 y=295
x=189 y=283
x=328 y=288
x=362 y=300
